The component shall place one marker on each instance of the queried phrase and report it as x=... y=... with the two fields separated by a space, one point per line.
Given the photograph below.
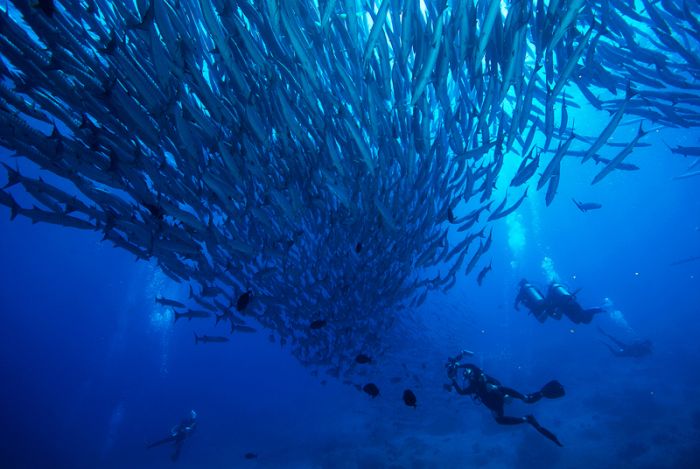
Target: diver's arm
x=161 y=442
x=460 y=390
x=461 y=355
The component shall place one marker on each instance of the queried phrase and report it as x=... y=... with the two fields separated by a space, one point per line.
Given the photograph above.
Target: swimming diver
x=558 y=302
x=533 y=300
x=492 y=394
x=637 y=349
x=178 y=434
x=561 y=301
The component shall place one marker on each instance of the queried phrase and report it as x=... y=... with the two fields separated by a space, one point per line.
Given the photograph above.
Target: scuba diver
x=178 y=434
x=492 y=394
x=561 y=301
x=637 y=349
x=558 y=302
x=533 y=300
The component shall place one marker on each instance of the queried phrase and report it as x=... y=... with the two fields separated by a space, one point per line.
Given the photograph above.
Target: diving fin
x=543 y=431
x=553 y=390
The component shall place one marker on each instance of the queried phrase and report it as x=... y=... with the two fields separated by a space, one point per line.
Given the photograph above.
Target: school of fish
x=317 y=167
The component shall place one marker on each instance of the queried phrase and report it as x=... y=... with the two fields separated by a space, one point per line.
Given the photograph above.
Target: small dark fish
x=250 y=455
x=226 y=315
x=395 y=379
x=358 y=247
x=450 y=215
x=371 y=389
x=687 y=175
x=209 y=339
x=586 y=206
x=686 y=260
x=243 y=300
x=205 y=304
x=318 y=324
x=207 y=291
x=363 y=359
x=621 y=166
x=191 y=313
x=409 y=398
x=482 y=274
x=242 y=328
x=500 y=212
x=168 y=302
x=526 y=171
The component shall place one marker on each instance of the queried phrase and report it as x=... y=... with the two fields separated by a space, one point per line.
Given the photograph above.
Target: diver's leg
x=587 y=314
x=176 y=454
x=513 y=393
x=532 y=398
x=506 y=420
x=614 y=351
x=619 y=344
x=547 y=434
x=551 y=390
x=161 y=442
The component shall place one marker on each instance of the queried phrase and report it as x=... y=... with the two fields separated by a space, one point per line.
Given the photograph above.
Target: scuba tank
x=532 y=298
x=559 y=291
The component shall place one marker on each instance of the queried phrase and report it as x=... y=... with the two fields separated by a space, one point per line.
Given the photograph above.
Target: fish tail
x=196 y=338
x=14 y=208
x=13 y=176
x=641 y=132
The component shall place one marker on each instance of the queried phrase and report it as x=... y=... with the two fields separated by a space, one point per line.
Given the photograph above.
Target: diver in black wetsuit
x=533 y=300
x=178 y=434
x=558 y=302
x=636 y=349
x=561 y=301
x=492 y=394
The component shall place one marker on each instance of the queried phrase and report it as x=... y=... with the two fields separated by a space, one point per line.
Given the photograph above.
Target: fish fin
x=14 y=209
x=196 y=339
x=13 y=176
x=641 y=132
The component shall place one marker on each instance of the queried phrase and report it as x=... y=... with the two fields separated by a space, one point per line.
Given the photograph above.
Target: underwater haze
x=288 y=216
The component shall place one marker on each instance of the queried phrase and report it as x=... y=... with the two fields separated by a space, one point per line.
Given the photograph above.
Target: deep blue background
x=92 y=370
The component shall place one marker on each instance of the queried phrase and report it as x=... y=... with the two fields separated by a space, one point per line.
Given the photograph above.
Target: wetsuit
x=636 y=349
x=178 y=435
x=533 y=300
x=492 y=394
x=562 y=302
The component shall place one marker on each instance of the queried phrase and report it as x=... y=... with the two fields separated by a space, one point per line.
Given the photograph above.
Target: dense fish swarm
x=317 y=154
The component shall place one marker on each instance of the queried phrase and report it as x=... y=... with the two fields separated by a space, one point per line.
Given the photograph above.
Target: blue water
x=93 y=370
